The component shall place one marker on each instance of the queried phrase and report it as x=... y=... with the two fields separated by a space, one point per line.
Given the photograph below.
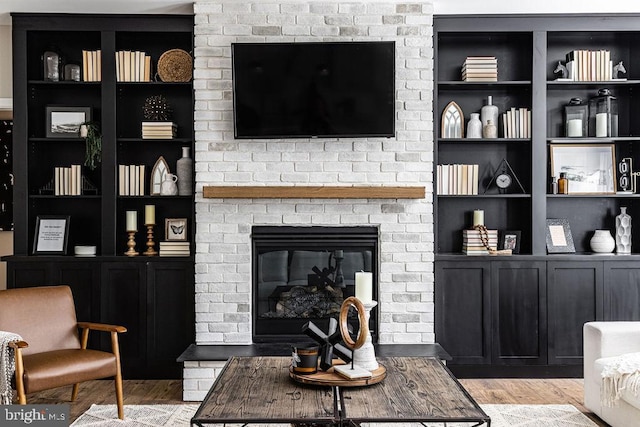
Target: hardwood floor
x=136 y=392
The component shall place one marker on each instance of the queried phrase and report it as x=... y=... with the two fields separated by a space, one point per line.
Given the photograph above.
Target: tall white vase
x=474 y=127
x=184 y=170
x=623 y=232
x=489 y=112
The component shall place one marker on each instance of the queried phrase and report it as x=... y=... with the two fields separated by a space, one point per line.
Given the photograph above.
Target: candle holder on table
x=131 y=243
x=150 y=243
x=365 y=356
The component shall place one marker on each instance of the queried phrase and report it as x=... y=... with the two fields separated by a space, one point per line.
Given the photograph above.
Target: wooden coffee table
x=259 y=390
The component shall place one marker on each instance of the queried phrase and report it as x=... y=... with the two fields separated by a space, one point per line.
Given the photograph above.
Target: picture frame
x=558 y=236
x=64 y=122
x=590 y=168
x=510 y=239
x=175 y=229
x=51 y=235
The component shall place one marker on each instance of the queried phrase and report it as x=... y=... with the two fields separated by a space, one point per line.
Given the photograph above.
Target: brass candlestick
x=131 y=243
x=150 y=243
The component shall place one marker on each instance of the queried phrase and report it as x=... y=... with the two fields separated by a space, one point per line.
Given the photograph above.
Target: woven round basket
x=175 y=65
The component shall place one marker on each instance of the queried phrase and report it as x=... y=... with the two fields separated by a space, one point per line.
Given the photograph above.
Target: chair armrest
x=608 y=339
x=102 y=327
x=18 y=344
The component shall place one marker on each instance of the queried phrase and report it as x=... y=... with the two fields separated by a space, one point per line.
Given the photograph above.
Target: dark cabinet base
x=523 y=316
x=152 y=297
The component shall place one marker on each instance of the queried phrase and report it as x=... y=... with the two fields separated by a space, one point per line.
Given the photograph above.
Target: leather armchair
x=53 y=353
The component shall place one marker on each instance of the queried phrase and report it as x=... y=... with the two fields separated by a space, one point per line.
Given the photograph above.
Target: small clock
x=505 y=180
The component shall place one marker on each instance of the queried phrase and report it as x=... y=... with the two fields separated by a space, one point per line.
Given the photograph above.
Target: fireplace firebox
x=302 y=274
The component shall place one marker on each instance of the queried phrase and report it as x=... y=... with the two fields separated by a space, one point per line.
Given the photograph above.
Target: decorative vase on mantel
x=602 y=242
x=184 y=170
x=623 y=232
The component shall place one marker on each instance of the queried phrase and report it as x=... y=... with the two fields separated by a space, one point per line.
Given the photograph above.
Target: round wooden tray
x=330 y=378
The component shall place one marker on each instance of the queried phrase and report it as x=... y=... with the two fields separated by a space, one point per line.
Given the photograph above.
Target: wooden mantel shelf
x=312 y=192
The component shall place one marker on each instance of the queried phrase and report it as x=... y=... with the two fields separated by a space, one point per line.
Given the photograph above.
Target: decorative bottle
x=474 y=127
x=489 y=112
x=490 y=130
x=623 y=232
x=602 y=242
x=563 y=184
x=184 y=170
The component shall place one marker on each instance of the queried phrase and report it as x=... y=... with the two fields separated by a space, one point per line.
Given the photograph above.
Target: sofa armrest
x=608 y=339
x=102 y=327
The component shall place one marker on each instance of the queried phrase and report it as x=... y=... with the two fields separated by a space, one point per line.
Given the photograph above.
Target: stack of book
x=159 y=130
x=67 y=181
x=516 y=123
x=480 y=69
x=174 y=248
x=457 y=179
x=92 y=65
x=133 y=66
x=131 y=180
x=589 y=66
x=472 y=242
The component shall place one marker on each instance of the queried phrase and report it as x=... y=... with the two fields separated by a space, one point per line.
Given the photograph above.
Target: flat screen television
x=306 y=90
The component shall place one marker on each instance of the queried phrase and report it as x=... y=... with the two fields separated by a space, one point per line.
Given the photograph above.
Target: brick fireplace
x=223 y=230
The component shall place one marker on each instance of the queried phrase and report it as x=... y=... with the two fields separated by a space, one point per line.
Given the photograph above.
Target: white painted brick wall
x=223 y=246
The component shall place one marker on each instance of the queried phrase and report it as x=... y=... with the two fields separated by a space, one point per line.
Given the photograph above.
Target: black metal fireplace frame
x=267 y=238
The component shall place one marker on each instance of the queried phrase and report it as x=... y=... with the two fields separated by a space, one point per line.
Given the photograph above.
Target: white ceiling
x=93 y=6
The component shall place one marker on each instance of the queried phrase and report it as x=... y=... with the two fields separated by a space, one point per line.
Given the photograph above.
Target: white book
x=476 y=170
x=132 y=172
x=444 y=188
x=141 y=180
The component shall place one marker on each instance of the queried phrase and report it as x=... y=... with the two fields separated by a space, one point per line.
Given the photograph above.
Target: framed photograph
x=590 y=168
x=559 y=239
x=51 y=235
x=510 y=239
x=175 y=228
x=64 y=122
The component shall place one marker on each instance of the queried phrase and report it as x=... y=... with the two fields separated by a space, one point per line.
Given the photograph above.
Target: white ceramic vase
x=623 y=232
x=474 y=127
x=602 y=242
x=489 y=112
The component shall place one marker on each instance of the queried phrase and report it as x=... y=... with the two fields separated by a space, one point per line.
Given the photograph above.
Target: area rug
x=180 y=415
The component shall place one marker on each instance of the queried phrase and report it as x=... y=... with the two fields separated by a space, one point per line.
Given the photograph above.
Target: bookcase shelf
x=111 y=287
x=522 y=315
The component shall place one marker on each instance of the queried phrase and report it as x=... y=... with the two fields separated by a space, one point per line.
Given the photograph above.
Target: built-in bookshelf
x=523 y=314
x=52 y=178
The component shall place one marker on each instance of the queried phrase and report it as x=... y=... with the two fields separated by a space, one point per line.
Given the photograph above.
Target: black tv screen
x=298 y=90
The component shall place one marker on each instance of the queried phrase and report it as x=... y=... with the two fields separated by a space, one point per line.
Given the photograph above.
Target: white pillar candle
x=601 y=125
x=478 y=217
x=364 y=286
x=132 y=221
x=149 y=214
x=574 y=128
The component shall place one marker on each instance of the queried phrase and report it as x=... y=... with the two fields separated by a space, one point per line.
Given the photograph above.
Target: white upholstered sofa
x=604 y=342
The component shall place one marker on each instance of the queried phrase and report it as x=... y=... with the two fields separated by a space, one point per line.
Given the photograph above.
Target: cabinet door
x=518 y=297
x=574 y=298
x=463 y=310
x=123 y=302
x=170 y=316
x=622 y=290
x=28 y=274
x=84 y=280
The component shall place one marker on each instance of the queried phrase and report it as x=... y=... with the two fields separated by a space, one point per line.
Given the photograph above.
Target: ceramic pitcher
x=168 y=186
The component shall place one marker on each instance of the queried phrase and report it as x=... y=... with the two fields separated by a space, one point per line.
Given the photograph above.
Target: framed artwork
x=452 y=125
x=64 y=122
x=175 y=229
x=559 y=239
x=510 y=239
x=590 y=168
x=51 y=235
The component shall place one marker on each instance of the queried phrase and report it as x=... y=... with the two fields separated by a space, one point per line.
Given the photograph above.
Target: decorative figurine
x=617 y=69
x=564 y=73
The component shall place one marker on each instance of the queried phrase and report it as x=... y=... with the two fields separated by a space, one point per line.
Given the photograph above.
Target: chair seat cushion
x=627 y=394
x=58 y=368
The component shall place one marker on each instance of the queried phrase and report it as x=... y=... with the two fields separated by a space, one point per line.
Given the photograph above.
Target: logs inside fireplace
x=302 y=274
